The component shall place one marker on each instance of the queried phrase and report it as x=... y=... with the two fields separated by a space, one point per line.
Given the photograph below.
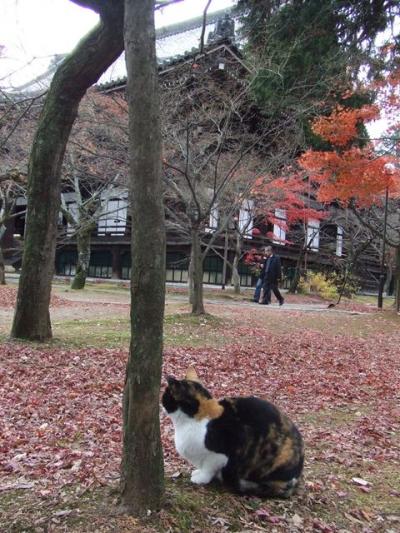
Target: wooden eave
x=175 y=63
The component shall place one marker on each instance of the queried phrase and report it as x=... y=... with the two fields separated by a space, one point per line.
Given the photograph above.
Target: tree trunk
x=2 y=268
x=388 y=280
x=397 y=280
x=344 y=283
x=197 y=266
x=191 y=278
x=142 y=471
x=82 y=267
x=297 y=273
x=83 y=67
x=235 y=265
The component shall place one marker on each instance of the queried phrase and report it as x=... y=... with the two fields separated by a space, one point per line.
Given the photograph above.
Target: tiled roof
x=191 y=24
x=174 y=43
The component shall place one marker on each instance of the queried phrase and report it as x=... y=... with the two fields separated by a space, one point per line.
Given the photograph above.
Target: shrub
x=318 y=283
x=351 y=287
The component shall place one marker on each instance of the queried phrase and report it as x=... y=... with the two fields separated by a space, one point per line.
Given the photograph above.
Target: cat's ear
x=171 y=381
x=191 y=374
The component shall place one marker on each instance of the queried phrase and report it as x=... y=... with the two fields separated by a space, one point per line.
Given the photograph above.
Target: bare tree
x=216 y=143
x=385 y=234
x=92 y=56
x=9 y=192
x=17 y=119
x=90 y=203
x=95 y=170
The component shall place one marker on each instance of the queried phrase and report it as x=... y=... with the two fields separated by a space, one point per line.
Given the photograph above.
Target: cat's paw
x=200 y=477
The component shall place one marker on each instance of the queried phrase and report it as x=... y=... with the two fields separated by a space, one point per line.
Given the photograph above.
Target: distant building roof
x=180 y=60
x=174 y=42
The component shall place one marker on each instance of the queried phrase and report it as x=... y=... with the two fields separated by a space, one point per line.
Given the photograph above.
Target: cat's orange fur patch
x=208 y=408
x=285 y=455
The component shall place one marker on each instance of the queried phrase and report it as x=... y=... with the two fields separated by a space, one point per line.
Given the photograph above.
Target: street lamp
x=389 y=168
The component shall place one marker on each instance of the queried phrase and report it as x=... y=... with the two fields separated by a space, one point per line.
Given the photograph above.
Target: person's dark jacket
x=274 y=272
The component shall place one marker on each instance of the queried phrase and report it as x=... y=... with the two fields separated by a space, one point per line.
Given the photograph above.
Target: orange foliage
x=288 y=193
x=349 y=172
x=354 y=173
x=340 y=127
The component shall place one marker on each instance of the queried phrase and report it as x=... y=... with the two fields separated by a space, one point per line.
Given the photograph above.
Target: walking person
x=271 y=275
x=260 y=281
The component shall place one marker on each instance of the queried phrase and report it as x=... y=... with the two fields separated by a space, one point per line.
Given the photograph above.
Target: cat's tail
x=278 y=489
x=270 y=489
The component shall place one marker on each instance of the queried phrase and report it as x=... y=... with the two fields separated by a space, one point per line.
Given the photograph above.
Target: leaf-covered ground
x=8 y=296
x=335 y=373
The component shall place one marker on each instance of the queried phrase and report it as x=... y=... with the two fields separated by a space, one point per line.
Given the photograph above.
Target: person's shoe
x=264 y=303
x=282 y=301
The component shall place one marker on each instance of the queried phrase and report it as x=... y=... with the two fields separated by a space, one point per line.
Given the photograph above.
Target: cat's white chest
x=190 y=437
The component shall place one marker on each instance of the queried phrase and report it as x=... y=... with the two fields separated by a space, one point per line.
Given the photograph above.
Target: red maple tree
x=286 y=203
x=365 y=175
x=350 y=171
x=290 y=193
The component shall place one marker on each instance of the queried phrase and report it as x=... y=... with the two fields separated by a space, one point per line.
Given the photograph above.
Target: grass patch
x=184 y=329
x=104 y=332
x=331 y=323
x=352 y=504
x=191 y=508
x=188 y=319
x=372 y=300
x=74 y=510
x=180 y=330
x=188 y=508
x=330 y=498
x=335 y=417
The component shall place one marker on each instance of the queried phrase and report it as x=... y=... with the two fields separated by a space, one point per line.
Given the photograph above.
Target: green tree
x=306 y=53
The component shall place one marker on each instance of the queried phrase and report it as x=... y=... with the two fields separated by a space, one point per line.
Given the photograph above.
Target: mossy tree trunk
x=142 y=472
x=191 y=279
x=2 y=268
x=2 y=263
x=235 y=265
x=83 y=238
x=79 y=71
x=397 y=280
x=196 y=260
x=297 y=272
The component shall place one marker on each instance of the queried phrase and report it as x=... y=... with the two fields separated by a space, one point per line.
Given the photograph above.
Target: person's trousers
x=268 y=287
x=257 y=291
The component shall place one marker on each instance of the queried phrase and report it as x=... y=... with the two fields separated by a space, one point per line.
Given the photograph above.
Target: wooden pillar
x=116 y=263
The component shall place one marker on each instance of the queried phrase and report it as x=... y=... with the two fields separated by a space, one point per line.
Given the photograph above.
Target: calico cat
x=247 y=443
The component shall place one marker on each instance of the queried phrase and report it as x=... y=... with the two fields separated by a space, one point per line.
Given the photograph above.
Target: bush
x=318 y=283
x=352 y=284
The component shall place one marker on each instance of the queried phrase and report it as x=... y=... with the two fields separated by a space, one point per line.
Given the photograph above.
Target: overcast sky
x=31 y=29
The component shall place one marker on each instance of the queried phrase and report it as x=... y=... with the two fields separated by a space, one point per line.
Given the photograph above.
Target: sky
x=33 y=31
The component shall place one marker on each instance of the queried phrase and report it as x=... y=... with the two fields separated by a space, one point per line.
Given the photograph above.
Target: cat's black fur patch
x=252 y=432
x=183 y=394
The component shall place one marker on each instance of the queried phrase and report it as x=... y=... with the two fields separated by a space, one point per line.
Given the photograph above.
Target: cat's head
x=188 y=395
